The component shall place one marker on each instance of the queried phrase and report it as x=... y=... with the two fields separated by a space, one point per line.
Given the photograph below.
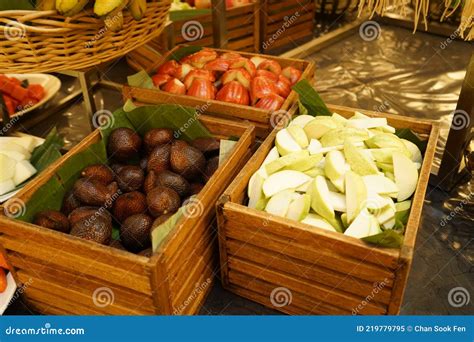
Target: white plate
x=51 y=85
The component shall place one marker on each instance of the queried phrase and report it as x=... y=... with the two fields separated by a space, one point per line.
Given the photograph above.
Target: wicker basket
x=43 y=41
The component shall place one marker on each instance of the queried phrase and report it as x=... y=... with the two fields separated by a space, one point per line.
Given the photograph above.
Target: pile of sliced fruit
x=353 y=176
x=16 y=95
x=228 y=77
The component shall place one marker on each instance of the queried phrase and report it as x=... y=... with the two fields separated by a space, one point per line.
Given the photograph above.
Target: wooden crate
x=283 y=23
x=265 y=257
x=263 y=120
x=243 y=28
x=61 y=273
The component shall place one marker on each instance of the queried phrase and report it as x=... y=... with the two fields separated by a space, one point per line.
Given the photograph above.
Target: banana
x=69 y=8
x=137 y=8
x=45 y=5
x=106 y=7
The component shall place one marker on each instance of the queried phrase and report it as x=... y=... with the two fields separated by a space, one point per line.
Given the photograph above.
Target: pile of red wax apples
x=228 y=77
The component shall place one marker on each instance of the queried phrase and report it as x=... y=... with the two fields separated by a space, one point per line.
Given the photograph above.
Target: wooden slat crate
x=313 y=271
x=62 y=274
x=283 y=23
x=263 y=120
x=243 y=28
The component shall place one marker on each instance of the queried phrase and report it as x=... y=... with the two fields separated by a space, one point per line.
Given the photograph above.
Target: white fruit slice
x=298 y=134
x=414 y=150
x=389 y=224
x=338 y=136
x=27 y=142
x=23 y=171
x=319 y=126
x=316 y=171
x=383 y=155
x=271 y=156
x=335 y=165
x=282 y=180
x=6 y=186
x=344 y=220
x=305 y=164
x=286 y=160
x=285 y=143
x=37 y=141
x=301 y=120
x=403 y=206
x=7 y=167
x=305 y=187
x=380 y=184
x=338 y=201
x=406 y=175
x=367 y=123
x=360 y=227
x=385 y=215
x=374 y=227
x=387 y=140
x=358 y=161
x=320 y=201
x=339 y=118
x=279 y=204
x=318 y=222
x=375 y=202
x=255 y=188
x=385 y=167
x=359 y=115
x=356 y=195
x=299 y=207
x=339 y=183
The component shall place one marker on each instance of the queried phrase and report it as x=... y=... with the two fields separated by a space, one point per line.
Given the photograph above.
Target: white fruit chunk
x=383 y=155
x=360 y=227
x=335 y=165
x=339 y=183
x=375 y=202
x=339 y=118
x=367 y=123
x=14 y=151
x=339 y=136
x=374 y=227
x=37 y=141
x=381 y=185
x=6 y=186
x=320 y=201
x=285 y=143
x=23 y=171
x=314 y=146
x=385 y=215
x=286 y=160
x=256 y=60
x=319 y=126
x=414 y=150
x=359 y=115
x=255 y=188
x=271 y=156
x=7 y=167
x=406 y=175
x=318 y=222
x=301 y=120
x=299 y=207
x=282 y=180
x=356 y=195
x=298 y=134
x=279 y=204
x=387 y=140
x=403 y=206
x=338 y=201
x=358 y=161
x=27 y=142
x=305 y=164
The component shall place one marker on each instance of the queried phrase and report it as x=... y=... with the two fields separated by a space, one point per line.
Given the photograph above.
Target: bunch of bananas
x=109 y=10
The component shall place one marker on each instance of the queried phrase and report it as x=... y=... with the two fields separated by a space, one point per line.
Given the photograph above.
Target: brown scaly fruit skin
x=157 y=136
x=150 y=181
x=52 y=219
x=86 y=213
x=211 y=167
x=196 y=188
x=173 y=181
x=162 y=200
x=94 y=193
x=70 y=202
x=129 y=204
x=208 y=146
x=187 y=160
x=135 y=232
x=97 y=230
x=143 y=163
x=124 y=144
x=99 y=172
x=116 y=167
x=130 y=178
x=159 y=159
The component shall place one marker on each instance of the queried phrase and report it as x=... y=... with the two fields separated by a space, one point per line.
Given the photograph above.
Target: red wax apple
x=270 y=102
x=233 y=92
x=240 y=75
x=271 y=66
x=168 y=68
x=292 y=74
x=261 y=87
x=230 y=56
x=218 y=64
x=199 y=59
x=267 y=74
x=283 y=86
x=198 y=74
x=183 y=70
x=175 y=86
x=257 y=60
x=246 y=64
x=160 y=79
x=235 y=3
x=203 y=89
